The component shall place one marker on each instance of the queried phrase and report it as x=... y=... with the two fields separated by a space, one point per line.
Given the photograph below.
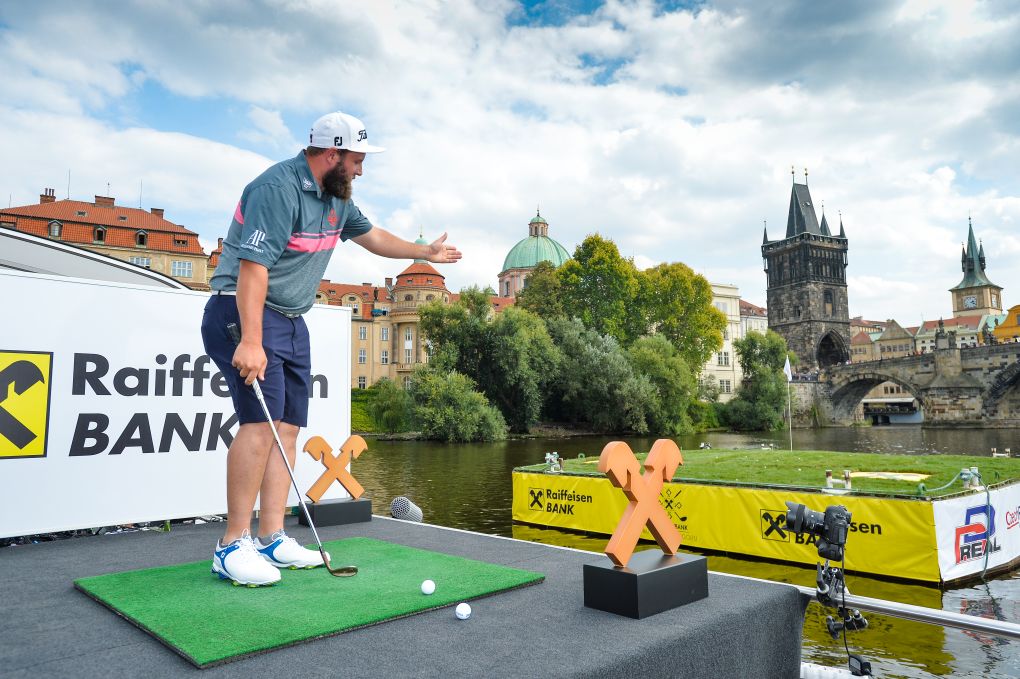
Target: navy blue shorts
x=288 y=373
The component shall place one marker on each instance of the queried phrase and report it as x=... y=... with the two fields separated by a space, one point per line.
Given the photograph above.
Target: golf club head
x=339 y=571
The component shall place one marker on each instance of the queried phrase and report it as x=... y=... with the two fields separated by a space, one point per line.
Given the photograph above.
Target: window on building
x=726 y=333
x=81 y=213
x=145 y=262
x=724 y=358
x=181 y=241
x=429 y=298
x=384 y=357
x=725 y=386
x=362 y=356
x=384 y=334
x=180 y=269
x=99 y=235
x=408 y=334
x=408 y=298
x=141 y=239
x=407 y=382
x=410 y=281
x=362 y=382
x=362 y=332
x=121 y=218
x=827 y=297
x=55 y=229
x=407 y=355
x=506 y=289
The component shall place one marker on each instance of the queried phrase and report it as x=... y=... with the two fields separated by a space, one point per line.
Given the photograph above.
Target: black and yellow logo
x=24 y=403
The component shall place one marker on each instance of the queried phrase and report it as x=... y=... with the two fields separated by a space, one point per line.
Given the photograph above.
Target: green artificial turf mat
x=209 y=621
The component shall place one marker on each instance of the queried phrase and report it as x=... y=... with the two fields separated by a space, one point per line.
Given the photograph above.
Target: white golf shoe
x=283 y=551
x=241 y=563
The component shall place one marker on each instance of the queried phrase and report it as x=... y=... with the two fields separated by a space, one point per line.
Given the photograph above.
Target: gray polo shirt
x=285 y=223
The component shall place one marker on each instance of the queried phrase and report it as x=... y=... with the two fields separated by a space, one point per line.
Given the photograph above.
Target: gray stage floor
x=744 y=629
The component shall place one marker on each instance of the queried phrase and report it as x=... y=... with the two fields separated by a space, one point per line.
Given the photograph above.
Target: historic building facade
x=807 y=292
x=144 y=238
x=975 y=294
x=526 y=255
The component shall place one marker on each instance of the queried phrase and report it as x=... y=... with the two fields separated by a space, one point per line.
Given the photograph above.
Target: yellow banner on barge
x=891 y=537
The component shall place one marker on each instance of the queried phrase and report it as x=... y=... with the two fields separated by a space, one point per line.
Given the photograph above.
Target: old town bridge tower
x=806 y=272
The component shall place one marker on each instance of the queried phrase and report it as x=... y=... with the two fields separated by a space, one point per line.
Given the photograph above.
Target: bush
x=390 y=407
x=446 y=407
x=704 y=415
x=361 y=421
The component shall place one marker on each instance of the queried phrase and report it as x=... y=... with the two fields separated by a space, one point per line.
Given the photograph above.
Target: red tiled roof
x=967 y=322
x=748 y=309
x=861 y=338
x=161 y=234
x=98 y=215
x=421 y=268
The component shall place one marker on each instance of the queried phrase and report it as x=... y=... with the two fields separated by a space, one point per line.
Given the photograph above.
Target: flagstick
x=789 y=402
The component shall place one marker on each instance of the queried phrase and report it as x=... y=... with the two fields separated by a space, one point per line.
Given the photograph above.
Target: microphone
x=404 y=509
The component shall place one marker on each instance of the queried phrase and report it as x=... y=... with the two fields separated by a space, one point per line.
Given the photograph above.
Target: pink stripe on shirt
x=312 y=244
x=238 y=217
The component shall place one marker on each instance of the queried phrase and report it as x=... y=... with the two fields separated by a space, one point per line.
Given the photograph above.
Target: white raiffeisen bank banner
x=111 y=413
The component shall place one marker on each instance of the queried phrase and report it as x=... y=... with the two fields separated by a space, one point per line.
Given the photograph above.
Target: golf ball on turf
x=463 y=611
x=428 y=587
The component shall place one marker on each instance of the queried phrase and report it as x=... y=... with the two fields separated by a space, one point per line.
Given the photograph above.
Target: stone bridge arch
x=1002 y=398
x=849 y=387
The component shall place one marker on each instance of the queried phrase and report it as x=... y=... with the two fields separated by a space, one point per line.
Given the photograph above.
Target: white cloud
x=906 y=121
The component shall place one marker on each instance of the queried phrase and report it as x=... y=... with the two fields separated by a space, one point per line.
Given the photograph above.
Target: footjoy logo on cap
x=24 y=403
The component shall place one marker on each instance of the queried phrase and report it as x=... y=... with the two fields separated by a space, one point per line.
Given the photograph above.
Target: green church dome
x=534 y=249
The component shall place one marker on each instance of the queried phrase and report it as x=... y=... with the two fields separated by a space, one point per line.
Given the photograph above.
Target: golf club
x=341 y=571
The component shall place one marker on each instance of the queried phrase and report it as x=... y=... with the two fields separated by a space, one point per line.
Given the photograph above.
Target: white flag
x=787 y=371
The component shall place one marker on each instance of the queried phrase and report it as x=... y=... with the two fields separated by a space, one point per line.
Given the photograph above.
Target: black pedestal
x=651 y=583
x=337 y=512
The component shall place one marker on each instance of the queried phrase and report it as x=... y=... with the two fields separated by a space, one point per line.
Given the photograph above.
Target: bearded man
x=285 y=227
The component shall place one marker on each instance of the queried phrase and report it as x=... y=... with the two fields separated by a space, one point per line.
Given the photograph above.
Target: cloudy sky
x=669 y=127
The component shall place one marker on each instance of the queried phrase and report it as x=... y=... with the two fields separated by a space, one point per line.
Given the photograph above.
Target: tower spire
x=765 y=237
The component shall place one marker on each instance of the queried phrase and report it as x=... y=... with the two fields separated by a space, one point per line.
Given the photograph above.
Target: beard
x=337 y=184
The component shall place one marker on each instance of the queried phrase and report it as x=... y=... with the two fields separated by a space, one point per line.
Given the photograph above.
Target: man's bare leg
x=246 y=465
x=276 y=482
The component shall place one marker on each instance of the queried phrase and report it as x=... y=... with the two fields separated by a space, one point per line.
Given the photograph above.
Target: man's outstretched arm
x=383 y=243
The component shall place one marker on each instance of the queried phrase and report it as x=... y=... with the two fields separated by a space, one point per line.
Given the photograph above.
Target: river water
x=468 y=486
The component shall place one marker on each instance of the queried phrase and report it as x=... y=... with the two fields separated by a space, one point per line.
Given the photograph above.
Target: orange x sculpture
x=624 y=471
x=336 y=466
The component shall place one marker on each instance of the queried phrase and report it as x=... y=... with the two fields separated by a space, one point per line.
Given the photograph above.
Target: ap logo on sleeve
x=24 y=402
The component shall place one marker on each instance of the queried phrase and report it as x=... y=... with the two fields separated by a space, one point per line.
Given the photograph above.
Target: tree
x=761 y=398
x=674 y=384
x=510 y=356
x=599 y=287
x=390 y=406
x=447 y=408
x=677 y=303
x=521 y=360
x=595 y=383
x=542 y=294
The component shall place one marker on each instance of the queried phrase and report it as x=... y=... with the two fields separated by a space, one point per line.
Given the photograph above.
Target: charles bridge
x=954 y=387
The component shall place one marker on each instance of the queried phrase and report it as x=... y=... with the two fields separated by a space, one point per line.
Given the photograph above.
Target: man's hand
x=250 y=360
x=441 y=253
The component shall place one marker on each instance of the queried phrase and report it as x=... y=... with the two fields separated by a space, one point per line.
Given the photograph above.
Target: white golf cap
x=341 y=131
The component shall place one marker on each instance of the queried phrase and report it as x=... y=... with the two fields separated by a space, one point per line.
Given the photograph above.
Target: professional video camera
x=831 y=528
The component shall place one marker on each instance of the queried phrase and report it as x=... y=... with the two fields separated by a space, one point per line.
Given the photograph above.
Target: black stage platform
x=744 y=629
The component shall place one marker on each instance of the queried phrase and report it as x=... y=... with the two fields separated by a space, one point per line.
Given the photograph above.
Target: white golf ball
x=428 y=587
x=463 y=611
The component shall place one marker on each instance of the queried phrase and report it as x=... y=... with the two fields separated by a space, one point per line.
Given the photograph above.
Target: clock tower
x=975 y=294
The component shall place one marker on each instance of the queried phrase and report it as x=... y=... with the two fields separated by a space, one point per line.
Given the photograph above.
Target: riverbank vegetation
x=806 y=469
x=595 y=344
